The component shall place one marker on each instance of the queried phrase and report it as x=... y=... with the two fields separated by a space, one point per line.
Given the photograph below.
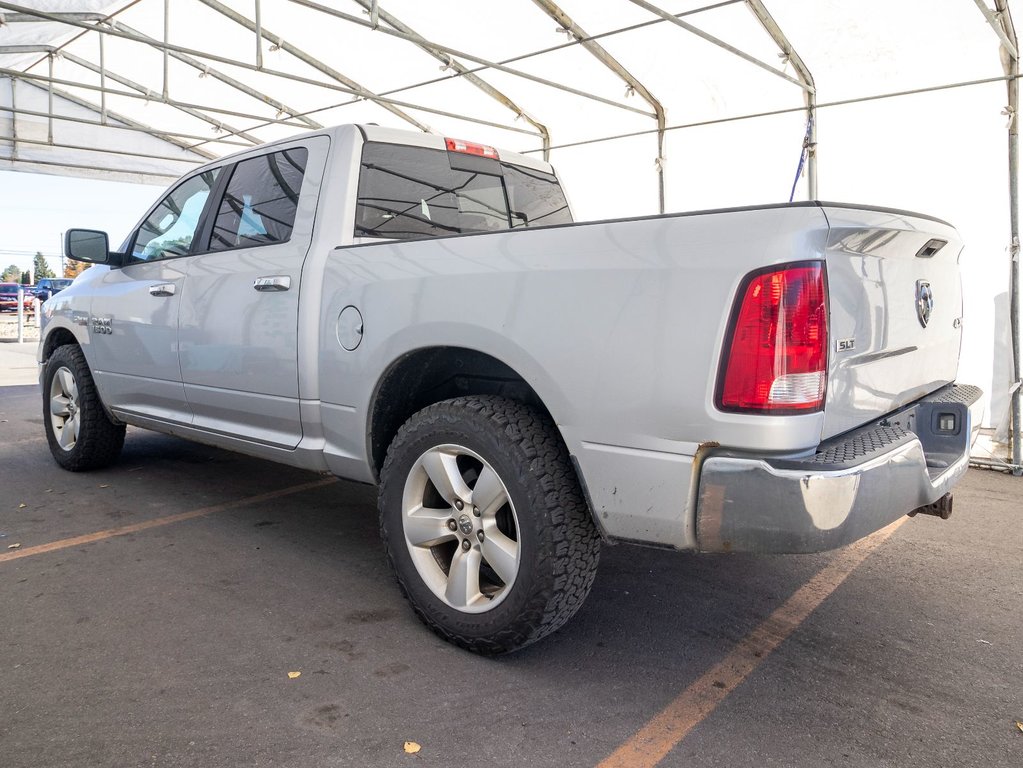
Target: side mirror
x=89 y=245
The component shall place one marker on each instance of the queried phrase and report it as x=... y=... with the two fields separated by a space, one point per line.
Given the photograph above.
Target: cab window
x=261 y=201
x=168 y=231
x=412 y=192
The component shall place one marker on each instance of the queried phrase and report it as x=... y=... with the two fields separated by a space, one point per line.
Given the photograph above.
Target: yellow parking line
x=159 y=521
x=651 y=744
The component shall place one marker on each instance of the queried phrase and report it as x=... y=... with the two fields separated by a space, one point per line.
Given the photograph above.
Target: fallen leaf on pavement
x=412 y=747
x=293 y=675
x=18 y=546
x=1019 y=725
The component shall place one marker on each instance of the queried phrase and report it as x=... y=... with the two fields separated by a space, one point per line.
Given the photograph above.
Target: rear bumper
x=852 y=486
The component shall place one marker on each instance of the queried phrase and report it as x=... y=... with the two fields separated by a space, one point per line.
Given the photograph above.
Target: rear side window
x=261 y=200
x=412 y=192
x=535 y=198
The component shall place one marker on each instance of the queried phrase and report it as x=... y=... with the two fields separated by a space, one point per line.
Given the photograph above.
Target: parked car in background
x=9 y=297
x=48 y=286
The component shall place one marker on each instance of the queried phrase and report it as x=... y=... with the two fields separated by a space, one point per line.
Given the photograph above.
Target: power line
x=6 y=252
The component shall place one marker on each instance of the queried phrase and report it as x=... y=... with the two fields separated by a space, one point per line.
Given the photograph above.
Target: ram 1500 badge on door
x=422 y=313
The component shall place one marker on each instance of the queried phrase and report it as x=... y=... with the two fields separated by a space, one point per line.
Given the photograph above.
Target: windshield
x=412 y=192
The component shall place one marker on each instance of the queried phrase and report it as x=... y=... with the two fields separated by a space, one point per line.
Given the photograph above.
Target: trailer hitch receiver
x=941 y=508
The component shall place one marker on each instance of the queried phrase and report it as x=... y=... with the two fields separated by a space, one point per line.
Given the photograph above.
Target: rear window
x=412 y=192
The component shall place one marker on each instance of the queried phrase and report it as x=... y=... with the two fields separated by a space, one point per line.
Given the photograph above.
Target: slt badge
x=924 y=302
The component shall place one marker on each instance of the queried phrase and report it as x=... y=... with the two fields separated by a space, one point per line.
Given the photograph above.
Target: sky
x=36 y=209
x=942 y=153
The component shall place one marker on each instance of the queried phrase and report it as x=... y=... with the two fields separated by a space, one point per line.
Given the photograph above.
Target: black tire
x=99 y=440
x=557 y=544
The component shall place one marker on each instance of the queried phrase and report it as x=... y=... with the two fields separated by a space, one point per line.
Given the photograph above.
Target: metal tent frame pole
x=454 y=65
x=206 y=70
x=116 y=29
x=809 y=88
x=313 y=62
x=1010 y=61
x=804 y=79
x=163 y=98
x=484 y=63
x=142 y=94
x=1000 y=20
x=631 y=81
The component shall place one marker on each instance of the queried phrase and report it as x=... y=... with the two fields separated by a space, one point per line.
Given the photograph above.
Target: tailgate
x=895 y=311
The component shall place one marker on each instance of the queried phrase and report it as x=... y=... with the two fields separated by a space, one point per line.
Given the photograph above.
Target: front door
x=239 y=310
x=133 y=325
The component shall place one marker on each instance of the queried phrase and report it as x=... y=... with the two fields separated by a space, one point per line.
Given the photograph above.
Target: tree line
x=40 y=269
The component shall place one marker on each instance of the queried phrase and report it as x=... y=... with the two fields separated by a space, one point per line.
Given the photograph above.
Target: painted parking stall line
x=652 y=743
x=123 y=530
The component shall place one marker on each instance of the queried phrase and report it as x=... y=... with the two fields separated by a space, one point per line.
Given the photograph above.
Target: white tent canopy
x=692 y=104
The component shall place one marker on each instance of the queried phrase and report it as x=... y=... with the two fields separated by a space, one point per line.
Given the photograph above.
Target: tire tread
x=574 y=542
x=99 y=440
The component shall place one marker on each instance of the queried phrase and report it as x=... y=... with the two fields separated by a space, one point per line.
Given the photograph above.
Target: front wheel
x=80 y=434
x=485 y=524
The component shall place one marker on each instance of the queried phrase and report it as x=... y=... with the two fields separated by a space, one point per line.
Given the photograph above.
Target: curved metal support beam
x=600 y=53
x=809 y=88
x=1001 y=28
x=120 y=31
x=14 y=18
x=461 y=69
x=216 y=74
x=135 y=127
x=163 y=99
x=313 y=62
x=156 y=98
x=484 y=63
x=715 y=41
x=126 y=122
x=81 y=20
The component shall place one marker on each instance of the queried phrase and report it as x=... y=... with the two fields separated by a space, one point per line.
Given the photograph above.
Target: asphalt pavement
x=157 y=611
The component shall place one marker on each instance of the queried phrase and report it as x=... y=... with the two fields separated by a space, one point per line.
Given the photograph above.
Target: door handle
x=272 y=283
x=162 y=289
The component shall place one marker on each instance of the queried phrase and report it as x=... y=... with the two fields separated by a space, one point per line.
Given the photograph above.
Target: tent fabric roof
x=195 y=79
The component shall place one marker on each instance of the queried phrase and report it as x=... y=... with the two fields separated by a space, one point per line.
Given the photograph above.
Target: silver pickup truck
x=422 y=313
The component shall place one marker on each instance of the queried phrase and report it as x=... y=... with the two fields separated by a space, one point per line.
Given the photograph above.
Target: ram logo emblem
x=924 y=302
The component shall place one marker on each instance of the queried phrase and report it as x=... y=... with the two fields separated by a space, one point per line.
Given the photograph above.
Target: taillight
x=777 y=351
x=468 y=148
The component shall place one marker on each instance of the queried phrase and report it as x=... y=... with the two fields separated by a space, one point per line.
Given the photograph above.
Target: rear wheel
x=80 y=434
x=485 y=524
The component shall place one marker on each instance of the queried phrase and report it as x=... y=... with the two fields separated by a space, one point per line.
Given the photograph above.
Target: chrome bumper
x=852 y=486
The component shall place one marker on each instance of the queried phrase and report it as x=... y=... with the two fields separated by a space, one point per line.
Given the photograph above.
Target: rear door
x=133 y=326
x=239 y=308
x=895 y=308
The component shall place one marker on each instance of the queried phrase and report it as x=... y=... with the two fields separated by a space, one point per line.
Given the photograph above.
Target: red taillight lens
x=468 y=148
x=777 y=356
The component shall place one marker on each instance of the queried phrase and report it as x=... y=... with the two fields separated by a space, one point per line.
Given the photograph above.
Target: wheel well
x=428 y=376
x=58 y=338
